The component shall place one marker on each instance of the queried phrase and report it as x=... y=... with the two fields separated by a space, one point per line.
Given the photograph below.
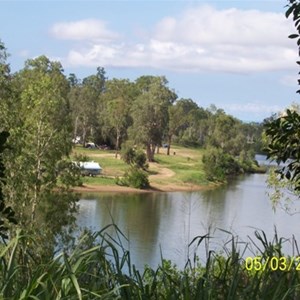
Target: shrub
x=134 y=157
x=217 y=164
x=140 y=159
x=134 y=177
x=128 y=154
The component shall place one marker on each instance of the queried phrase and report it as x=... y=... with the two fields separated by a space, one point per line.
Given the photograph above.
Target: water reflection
x=169 y=221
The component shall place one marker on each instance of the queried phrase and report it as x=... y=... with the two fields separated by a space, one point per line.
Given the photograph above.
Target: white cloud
x=207 y=26
x=89 y=29
x=252 y=108
x=98 y=54
x=200 y=39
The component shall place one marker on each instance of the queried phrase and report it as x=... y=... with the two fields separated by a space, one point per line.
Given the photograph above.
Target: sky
x=233 y=54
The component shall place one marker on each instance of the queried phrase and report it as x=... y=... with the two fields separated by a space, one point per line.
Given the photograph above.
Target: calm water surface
x=167 y=222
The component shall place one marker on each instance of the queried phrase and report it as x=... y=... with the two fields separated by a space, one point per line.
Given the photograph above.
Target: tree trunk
x=149 y=153
x=117 y=144
x=169 y=144
x=84 y=135
x=38 y=174
x=75 y=128
x=153 y=146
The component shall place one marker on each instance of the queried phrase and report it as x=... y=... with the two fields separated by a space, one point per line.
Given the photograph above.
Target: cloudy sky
x=234 y=54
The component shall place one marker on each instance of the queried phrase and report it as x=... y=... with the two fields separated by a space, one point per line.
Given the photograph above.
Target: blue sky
x=234 y=54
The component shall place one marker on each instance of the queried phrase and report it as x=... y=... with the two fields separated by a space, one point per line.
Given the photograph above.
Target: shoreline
x=153 y=188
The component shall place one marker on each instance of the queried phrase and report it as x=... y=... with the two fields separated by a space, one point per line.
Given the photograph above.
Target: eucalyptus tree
x=85 y=99
x=117 y=100
x=150 y=112
x=77 y=108
x=6 y=212
x=182 y=117
x=176 y=120
x=38 y=174
x=4 y=74
x=226 y=133
x=194 y=130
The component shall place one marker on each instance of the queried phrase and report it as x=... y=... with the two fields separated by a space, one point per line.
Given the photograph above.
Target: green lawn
x=185 y=164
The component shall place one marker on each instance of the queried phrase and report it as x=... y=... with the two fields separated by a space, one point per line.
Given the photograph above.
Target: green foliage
x=140 y=160
x=99 y=267
x=38 y=172
x=81 y=157
x=134 y=177
x=226 y=132
x=284 y=137
x=85 y=104
x=7 y=215
x=134 y=157
x=281 y=191
x=128 y=154
x=116 y=118
x=150 y=112
x=217 y=164
x=69 y=174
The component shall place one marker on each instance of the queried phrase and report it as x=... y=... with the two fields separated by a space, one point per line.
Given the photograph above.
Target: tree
x=86 y=103
x=217 y=164
x=282 y=131
x=184 y=117
x=176 y=120
x=38 y=173
x=284 y=145
x=226 y=133
x=187 y=123
x=6 y=212
x=136 y=175
x=150 y=112
x=117 y=99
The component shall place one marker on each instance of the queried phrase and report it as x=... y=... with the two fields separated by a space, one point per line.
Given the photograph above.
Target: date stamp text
x=273 y=263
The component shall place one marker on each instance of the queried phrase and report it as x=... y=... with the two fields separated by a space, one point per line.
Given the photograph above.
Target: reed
x=99 y=267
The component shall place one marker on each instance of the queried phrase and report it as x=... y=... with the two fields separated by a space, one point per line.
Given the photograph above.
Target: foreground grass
x=185 y=167
x=100 y=268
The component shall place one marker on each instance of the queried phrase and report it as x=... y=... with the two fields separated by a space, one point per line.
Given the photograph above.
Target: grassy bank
x=180 y=170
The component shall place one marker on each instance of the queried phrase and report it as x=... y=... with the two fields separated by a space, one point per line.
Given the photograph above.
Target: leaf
x=72 y=277
x=293 y=36
x=289 y=11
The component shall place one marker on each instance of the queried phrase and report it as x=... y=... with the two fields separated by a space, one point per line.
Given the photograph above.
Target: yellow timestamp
x=273 y=263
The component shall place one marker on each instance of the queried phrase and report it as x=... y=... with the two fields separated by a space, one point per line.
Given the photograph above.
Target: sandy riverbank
x=154 y=188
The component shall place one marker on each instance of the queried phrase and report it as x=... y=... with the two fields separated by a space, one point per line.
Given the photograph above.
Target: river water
x=165 y=223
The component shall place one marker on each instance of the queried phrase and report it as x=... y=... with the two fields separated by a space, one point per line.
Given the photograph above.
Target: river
x=165 y=223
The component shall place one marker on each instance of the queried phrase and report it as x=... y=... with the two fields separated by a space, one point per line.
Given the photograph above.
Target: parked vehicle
x=76 y=140
x=90 y=168
x=91 y=146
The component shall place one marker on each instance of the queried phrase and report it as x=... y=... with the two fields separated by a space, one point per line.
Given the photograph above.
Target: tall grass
x=99 y=267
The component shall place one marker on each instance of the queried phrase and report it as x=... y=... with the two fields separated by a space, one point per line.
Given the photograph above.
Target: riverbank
x=180 y=171
x=153 y=188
